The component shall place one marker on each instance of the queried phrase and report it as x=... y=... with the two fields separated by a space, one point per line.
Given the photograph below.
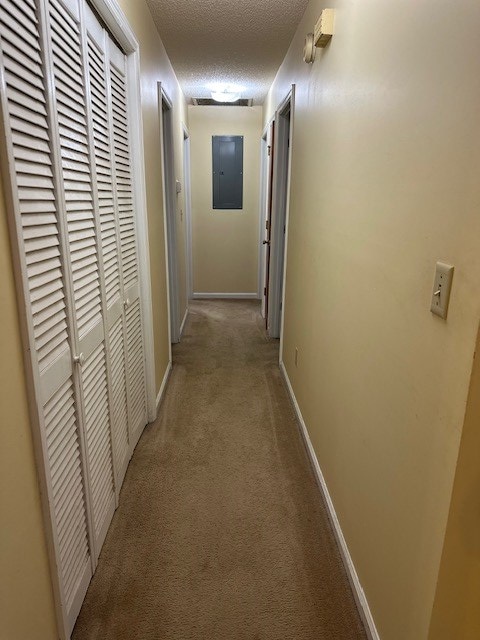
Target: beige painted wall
x=225 y=243
x=456 y=612
x=26 y=601
x=384 y=183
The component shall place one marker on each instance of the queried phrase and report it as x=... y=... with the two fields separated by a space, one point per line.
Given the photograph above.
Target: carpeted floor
x=221 y=533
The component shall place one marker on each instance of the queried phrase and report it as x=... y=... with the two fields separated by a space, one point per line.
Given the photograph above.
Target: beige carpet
x=221 y=533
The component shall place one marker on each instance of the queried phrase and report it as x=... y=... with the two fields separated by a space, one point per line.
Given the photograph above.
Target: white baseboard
x=238 y=296
x=182 y=326
x=358 y=592
x=163 y=386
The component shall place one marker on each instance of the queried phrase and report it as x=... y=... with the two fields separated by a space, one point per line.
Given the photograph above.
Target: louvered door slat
x=98 y=88
x=75 y=171
x=51 y=341
x=135 y=361
x=67 y=478
x=123 y=176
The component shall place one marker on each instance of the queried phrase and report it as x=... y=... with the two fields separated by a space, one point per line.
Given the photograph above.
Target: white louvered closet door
x=41 y=236
x=133 y=330
x=77 y=186
x=102 y=138
x=64 y=108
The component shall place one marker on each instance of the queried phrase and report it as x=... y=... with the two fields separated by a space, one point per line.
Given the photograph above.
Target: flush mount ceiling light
x=227 y=94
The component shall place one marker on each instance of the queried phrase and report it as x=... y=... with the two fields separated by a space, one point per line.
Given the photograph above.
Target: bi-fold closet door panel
x=41 y=240
x=83 y=257
x=133 y=335
x=64 y=98
x=100 y=112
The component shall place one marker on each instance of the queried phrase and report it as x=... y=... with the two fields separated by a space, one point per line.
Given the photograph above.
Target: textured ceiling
x=215 y=43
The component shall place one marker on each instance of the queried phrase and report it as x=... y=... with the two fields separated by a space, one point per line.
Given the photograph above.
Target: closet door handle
x=126 y=303
x=79 y=359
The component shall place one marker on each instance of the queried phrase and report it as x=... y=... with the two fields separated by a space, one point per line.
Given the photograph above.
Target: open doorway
x=279 y=189
x=169 y=205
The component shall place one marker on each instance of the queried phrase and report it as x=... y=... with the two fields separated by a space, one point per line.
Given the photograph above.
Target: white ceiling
x=240 y=43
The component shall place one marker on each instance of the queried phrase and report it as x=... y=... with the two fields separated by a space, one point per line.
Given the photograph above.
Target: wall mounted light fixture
x=324 y=28
x=320 y=37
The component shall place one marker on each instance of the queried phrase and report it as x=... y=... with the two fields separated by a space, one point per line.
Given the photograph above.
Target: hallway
x=220 y=532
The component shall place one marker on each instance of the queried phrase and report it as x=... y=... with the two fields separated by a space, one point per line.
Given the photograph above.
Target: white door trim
x=280 y=217
x=188 y=210
x=287 y=216
x=261 y=218
x=169 y=223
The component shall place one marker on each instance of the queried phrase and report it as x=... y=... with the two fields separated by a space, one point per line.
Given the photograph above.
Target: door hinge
x=269 y=150
x=266 y=225
x=264 y=291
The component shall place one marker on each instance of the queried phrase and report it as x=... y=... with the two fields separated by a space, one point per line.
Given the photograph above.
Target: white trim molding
x=359 y=594
x=282 y=163
x=188 y=209
x=182 y=326
x=167 y=168
x=238 y=296
x=163 y=388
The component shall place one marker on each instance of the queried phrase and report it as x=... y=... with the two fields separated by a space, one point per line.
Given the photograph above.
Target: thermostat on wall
x=324 y=28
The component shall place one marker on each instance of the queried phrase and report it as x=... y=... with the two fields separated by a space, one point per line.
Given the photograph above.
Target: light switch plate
x=441 y=289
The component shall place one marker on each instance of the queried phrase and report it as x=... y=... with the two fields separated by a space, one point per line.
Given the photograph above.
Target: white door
x=42 y=239
x=105 y=195
x=133 y=330
x=82 y=258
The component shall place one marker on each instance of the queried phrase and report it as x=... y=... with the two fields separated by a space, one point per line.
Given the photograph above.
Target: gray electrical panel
x=227 y=160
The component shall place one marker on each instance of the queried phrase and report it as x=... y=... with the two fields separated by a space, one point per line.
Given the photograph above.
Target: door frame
x=165 y=108
x=266 y=240
x=116 y=22
x=262 y=216
x=282 y=167
x=187 y=198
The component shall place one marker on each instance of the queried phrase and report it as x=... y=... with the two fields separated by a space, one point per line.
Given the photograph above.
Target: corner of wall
x=456 y=611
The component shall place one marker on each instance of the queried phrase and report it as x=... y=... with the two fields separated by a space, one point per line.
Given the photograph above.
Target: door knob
x=79 y=359
x=126 y=303
x=266 y=242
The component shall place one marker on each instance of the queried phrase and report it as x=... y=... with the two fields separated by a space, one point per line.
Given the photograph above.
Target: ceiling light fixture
x=225 y=96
